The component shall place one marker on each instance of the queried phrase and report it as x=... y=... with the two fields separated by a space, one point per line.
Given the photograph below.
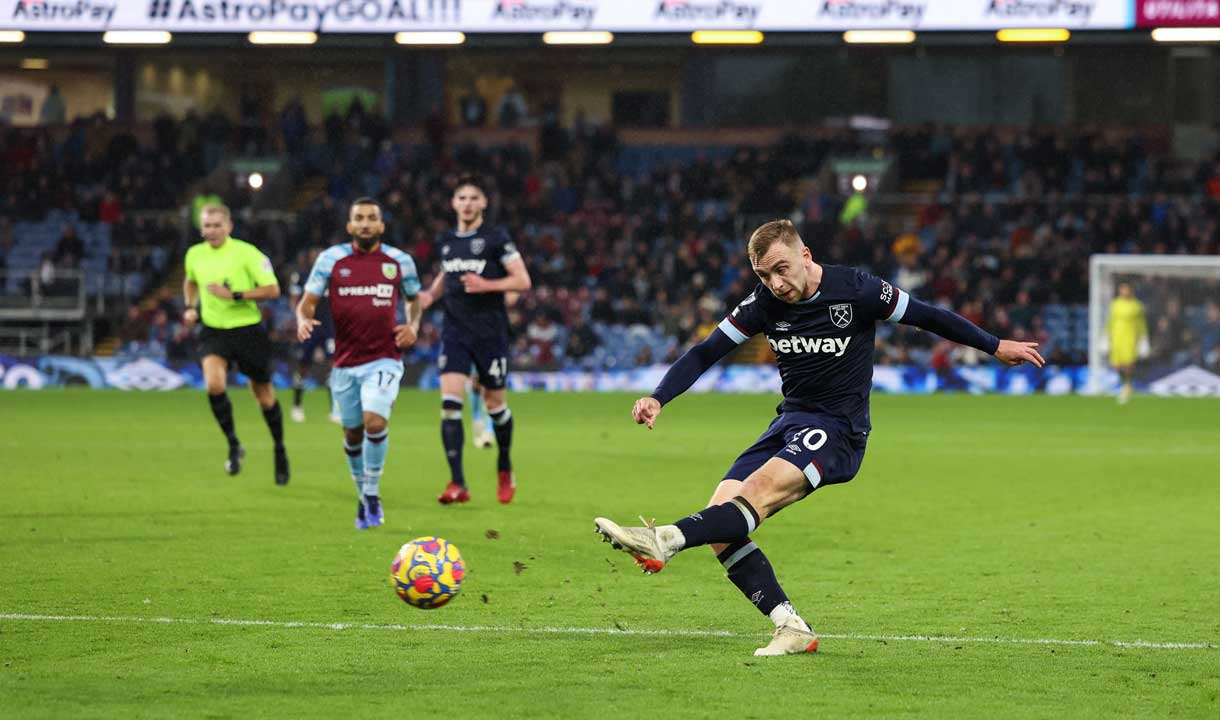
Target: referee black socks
x=222 y=409
x=275 y=423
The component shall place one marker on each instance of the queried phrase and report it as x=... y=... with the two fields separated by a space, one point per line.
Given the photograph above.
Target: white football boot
x=298 y=414
x=483 y=438
x=651 y=546
x=792 y=638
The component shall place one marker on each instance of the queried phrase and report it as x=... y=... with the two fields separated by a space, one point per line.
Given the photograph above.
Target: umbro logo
x=345 y=272
x=783 y=326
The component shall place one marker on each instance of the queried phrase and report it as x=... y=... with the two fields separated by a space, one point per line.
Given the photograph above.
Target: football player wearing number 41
x=479 y=265
x=821 y=321
x=363 y=281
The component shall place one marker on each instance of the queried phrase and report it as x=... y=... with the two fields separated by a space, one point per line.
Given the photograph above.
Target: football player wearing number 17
x=821 y=322
x=363 y=281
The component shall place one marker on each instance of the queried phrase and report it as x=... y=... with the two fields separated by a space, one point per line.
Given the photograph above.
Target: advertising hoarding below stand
x=148 y=374
x=518 y=16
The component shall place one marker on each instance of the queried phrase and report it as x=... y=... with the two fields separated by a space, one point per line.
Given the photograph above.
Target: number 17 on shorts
x=372 y=387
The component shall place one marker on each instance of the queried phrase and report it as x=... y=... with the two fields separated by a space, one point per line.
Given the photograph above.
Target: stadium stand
x=635 y=248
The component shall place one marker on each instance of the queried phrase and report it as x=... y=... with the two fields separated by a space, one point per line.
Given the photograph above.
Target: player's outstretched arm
x=681 y=375
x=958 y=329
x=306 y=311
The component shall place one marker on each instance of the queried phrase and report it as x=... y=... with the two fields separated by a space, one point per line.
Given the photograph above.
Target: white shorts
x=371 y=387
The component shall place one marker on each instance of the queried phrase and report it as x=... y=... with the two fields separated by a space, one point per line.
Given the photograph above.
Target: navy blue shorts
x=487 y=356
x=822 y=446
x=310 y=347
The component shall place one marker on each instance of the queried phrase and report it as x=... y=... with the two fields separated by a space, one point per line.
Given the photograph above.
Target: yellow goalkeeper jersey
x=1125 y=328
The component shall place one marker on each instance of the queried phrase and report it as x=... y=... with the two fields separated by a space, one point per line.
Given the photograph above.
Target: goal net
x=1180 y=295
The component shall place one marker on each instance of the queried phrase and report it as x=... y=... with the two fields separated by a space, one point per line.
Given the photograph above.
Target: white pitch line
x=600 y=631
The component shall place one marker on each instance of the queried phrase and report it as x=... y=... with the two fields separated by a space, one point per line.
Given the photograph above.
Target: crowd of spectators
x=662 y=249
x=93 y=201
x=96 y=168
x=631 y=267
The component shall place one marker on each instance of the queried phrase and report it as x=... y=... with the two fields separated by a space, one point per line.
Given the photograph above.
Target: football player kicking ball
x=820 y=320
x=363 y=280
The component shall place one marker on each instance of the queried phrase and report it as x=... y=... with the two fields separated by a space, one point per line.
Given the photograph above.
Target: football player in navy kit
x=479 y=264
x=321 y=341
x=821 y=321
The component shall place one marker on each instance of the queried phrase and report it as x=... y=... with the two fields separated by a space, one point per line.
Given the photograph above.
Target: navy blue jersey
x=823 y=345
x=485 y=252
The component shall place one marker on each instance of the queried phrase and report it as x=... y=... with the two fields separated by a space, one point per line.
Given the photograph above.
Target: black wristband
x=238 y=295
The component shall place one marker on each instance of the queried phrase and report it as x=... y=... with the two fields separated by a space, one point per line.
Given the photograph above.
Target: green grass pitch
x=984 y=520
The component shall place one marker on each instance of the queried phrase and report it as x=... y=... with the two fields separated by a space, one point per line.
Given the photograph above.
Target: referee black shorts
x=249 y=347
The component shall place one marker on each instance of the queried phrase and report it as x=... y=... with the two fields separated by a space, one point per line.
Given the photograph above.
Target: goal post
x=1181 y=299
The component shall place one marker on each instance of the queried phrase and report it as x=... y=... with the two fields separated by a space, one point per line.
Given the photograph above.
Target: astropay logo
x=571 y=14
x=64 y=11
x=307 y=12
x=1041 y=10
x=909 y=13
x=740 y=14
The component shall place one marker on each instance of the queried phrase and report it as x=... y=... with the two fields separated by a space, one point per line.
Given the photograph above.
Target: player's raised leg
x=215 y=377
x=453 y=436
x=502 y=422
x=264 y=393
x=773 y=486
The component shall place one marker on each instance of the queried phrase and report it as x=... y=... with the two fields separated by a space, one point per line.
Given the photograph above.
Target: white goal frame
x=1103 y=268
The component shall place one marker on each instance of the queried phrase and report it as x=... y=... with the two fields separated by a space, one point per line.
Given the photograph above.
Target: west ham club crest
x=840 y=314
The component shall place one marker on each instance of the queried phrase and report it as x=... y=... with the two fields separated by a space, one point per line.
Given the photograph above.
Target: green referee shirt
x=237 y=265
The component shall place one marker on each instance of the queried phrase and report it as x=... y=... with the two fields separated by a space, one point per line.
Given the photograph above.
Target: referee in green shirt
x=234 y=275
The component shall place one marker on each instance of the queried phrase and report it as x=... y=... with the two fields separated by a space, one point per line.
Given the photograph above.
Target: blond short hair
x=770 y=233
x=218 y=209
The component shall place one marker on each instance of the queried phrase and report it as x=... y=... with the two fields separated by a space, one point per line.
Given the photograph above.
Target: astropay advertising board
x=507 y=16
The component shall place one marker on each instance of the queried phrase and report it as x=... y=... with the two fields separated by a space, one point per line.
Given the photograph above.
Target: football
x=427 y=572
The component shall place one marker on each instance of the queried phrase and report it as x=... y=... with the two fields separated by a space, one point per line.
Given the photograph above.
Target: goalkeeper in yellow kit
x=1127 y=336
